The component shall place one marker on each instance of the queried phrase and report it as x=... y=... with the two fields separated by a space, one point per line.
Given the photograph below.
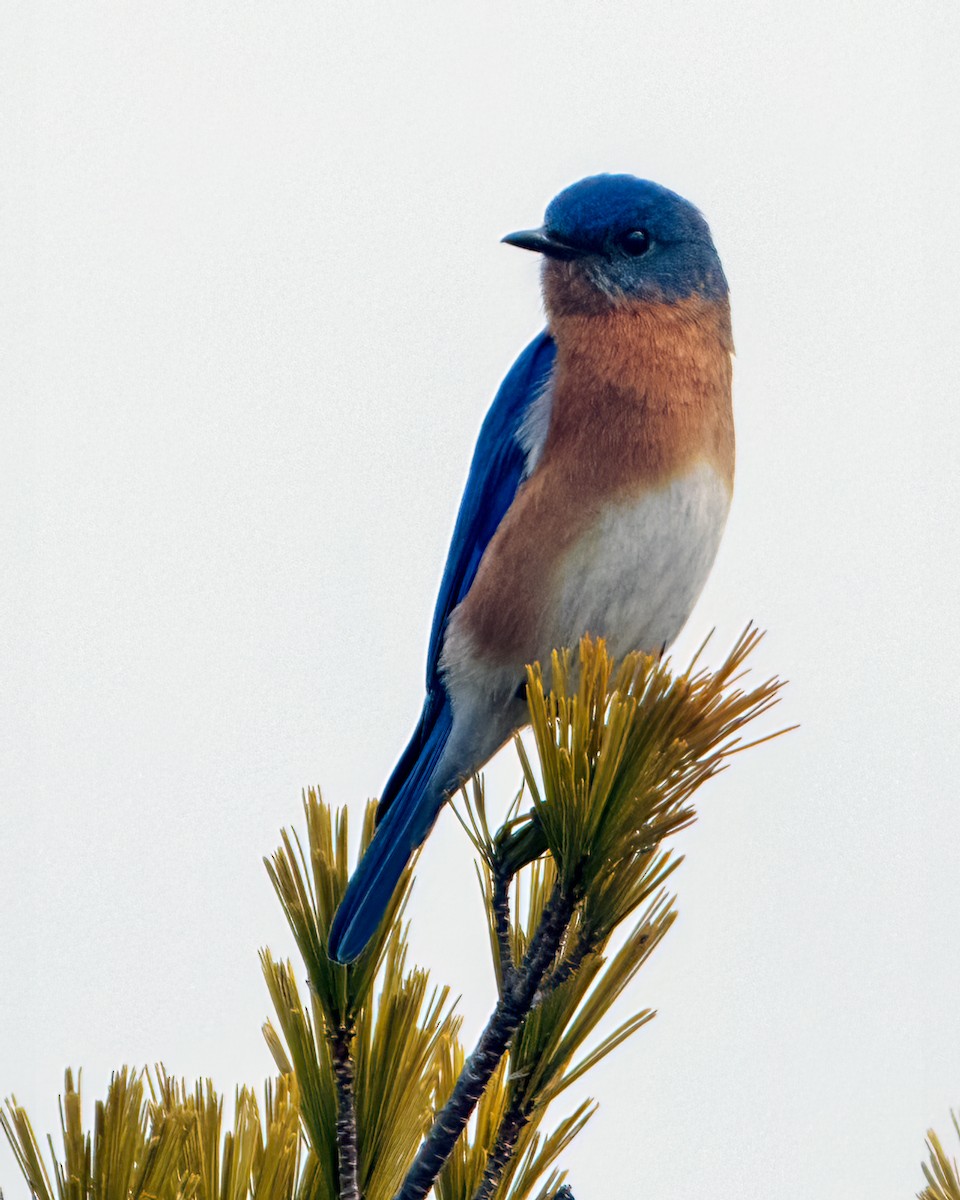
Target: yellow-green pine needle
x=396 y=1023
x=26 y=1150
x=943 y=1179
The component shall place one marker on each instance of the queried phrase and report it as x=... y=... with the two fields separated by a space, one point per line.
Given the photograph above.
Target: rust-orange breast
x=640 y=394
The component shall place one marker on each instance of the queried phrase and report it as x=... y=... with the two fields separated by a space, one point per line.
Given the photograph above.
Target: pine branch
x=566 y=968
x=500 y=907
x=622 y=752
x=343 y=1073
x=508 y=1134
x=512 y=1007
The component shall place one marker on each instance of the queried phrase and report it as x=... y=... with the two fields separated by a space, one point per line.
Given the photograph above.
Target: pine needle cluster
x=371 y=1028
x=376 y=1097
x=621 y=751
x=152 y=1137
x=940 y=1172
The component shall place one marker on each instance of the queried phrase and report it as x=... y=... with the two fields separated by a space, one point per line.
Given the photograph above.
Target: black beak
x=543 y=243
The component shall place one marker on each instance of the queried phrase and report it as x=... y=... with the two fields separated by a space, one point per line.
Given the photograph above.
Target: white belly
x=632 y=579
x=636 y=575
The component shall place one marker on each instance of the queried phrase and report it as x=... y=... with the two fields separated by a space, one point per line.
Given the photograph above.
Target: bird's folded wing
x=495 y=474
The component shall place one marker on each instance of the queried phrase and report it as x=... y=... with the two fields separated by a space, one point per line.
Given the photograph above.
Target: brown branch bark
x=565 y=969
x=343 y=1072
x=500 y=903
x=513 y=1006
x=511 y=1126
x=587 y=942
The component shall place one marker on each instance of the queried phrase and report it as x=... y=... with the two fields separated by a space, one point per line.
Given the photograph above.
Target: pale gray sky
x=253 y=310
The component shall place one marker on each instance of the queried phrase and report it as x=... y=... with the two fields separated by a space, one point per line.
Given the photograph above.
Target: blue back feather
x=495 y=474
x=398 y=835
x=414 y=793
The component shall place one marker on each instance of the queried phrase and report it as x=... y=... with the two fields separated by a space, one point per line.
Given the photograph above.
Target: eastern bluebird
x=595 y=502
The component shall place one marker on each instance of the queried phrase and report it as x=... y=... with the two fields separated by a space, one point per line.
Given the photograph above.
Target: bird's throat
x=640 y=392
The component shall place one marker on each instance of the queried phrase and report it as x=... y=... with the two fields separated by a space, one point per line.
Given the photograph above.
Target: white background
x=253 y=310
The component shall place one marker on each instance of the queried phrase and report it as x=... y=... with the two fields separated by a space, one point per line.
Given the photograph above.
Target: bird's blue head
x=627 y=238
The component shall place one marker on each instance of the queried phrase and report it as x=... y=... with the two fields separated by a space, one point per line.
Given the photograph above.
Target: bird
x=595 y=501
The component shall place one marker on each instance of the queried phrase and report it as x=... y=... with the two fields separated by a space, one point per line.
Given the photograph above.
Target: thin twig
x=508 y=1134
x=500 y=904
x=569 y=966
x=565 y=969
x=512 y=1007
x=343 y=1073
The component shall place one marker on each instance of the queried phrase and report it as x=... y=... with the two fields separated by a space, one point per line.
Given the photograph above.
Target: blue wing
x=495 y=475
x=415 y=792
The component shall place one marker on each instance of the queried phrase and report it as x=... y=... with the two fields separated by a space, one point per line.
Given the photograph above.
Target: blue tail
x=413 y=806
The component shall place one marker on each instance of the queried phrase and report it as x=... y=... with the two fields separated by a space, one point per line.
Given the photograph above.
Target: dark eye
x=635 y=242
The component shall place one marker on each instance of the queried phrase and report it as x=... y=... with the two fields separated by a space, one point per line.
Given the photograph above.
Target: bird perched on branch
x=595 y=502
